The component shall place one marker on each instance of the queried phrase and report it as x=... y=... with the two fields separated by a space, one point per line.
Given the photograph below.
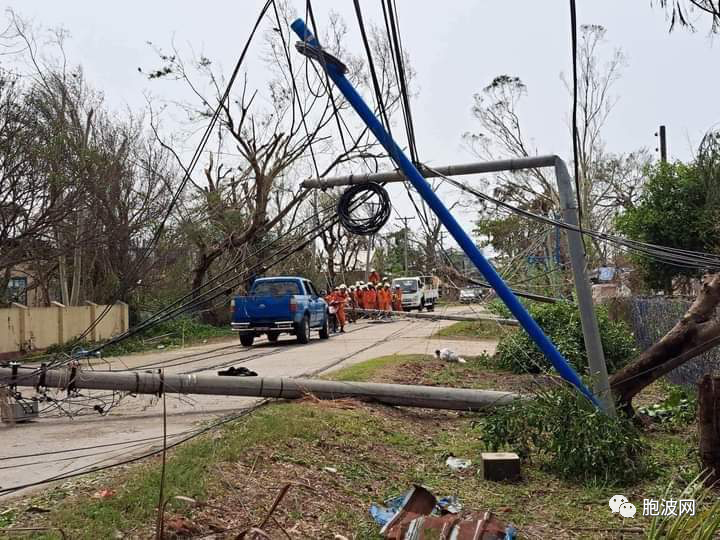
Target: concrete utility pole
x=370 y=240
x=431 y=397
x=591 y=332
x=371 y=245
x=405 y=221
x=444 y=317
x=663 y=144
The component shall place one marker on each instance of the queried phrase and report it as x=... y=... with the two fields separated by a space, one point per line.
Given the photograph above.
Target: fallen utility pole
x=438 y=316
x=430 y=397
x=335 y=69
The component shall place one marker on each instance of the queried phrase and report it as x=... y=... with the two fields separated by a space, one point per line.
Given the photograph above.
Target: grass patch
x=372 y=369
x=472 y=330
x=377 y=451
x=167 y=334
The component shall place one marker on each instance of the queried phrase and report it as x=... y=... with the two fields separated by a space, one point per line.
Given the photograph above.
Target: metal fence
x=652 y=317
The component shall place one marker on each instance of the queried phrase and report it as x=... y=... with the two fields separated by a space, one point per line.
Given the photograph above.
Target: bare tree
x=95 y=182
x=681 y=12
x=605 y=179
x=262 y=149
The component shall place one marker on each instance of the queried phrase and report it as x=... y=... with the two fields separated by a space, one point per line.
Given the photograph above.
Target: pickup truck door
x=316 y=305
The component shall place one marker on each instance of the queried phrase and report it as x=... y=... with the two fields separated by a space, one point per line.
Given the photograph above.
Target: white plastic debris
x=457 y=464
x=446 y=355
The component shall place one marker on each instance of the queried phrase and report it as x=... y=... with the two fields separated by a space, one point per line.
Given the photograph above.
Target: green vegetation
x=561 y=322
x=679 y=408
x=171 y=333
x=582 y=444
x=372 y=452
x=678 y=208
x=705 y=524
x=365 y=371
x=472 y=330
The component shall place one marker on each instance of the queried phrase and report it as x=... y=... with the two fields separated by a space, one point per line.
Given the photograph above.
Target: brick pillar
x=93 y=318
x=23 y=337
x=124 y=315
x=60 y=321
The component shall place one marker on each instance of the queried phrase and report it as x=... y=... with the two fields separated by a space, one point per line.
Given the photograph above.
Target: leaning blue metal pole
x=464 y=241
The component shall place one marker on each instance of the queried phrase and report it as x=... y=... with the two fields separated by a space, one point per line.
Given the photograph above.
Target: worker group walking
x=373 y=295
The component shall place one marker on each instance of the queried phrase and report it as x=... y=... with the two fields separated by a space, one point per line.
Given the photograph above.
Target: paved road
x=134 y=426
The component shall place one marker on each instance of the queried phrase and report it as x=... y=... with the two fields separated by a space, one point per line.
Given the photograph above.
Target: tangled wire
x=359 y=197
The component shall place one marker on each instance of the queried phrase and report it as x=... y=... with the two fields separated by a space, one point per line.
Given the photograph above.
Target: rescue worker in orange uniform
x=352 y=304
x=388 y=298
x=374 y=277
x=381 y=297
x=371 y=297
x=397 y=299
x=341 y=298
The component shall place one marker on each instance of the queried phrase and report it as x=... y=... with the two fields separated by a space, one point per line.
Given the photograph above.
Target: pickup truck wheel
x=422 y=305
x=273 y=337
x=325 y=330
x=303 y=330
x=247 y=339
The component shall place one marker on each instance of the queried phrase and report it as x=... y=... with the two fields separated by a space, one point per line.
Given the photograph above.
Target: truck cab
x=280 y=305
x=418 y=292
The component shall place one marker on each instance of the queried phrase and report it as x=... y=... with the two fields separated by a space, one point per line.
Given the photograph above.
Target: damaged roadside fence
x=419 y=514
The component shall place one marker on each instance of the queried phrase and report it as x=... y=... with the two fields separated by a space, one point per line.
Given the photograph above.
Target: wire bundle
x=379 y=212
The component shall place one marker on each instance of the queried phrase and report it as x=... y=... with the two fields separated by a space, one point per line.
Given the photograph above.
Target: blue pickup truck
x=278 y=305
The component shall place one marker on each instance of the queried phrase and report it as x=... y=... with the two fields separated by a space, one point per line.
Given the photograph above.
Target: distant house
x=22 y=288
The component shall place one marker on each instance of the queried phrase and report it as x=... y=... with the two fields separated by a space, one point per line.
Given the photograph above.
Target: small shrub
x=578 y=442
x=561 y=322
x=679 y=408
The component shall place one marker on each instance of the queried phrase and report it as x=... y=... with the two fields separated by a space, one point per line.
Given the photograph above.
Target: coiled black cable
x=379 y=211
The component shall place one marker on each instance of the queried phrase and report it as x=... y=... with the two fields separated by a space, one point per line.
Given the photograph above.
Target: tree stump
x=709 y=426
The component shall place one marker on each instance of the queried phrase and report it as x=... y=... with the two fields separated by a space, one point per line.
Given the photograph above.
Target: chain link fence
x=650 y=319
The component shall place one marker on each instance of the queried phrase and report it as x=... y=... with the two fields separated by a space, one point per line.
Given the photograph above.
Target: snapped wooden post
x=709 y=426
x=93 y=317
x=60 y=321
x=23 y=338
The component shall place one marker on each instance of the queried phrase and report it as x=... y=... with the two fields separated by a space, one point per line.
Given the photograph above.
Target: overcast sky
x=456 y=47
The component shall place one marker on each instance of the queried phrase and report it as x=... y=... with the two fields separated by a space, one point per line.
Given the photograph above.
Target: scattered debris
x=104 y=494
x=242 y=371
x=457 y=464
x=181 y=526
x=257 y=533
x=418 y=514
x=34 y=530
x=37 y=510
x=330 y=469
x=498 y=466
x=383 y=514
x=446 y=355
x=450 y=505
x=161 y=346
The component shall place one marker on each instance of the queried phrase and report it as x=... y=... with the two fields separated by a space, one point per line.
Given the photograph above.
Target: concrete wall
x=24 y=329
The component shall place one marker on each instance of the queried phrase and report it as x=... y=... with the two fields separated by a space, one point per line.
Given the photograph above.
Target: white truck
x=418 y=292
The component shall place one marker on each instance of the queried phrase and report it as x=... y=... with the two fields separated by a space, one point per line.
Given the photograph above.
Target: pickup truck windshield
x=276 y=288
x=407 y=286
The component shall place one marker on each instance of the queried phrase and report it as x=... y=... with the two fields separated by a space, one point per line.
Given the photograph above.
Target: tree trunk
x=62 y=276
x=709 y=426
x=76 y=277
x=690 y=337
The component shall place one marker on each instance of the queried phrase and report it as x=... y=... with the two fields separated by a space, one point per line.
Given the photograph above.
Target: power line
x=575 y=134
x=205 y=137
x=674 y=256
